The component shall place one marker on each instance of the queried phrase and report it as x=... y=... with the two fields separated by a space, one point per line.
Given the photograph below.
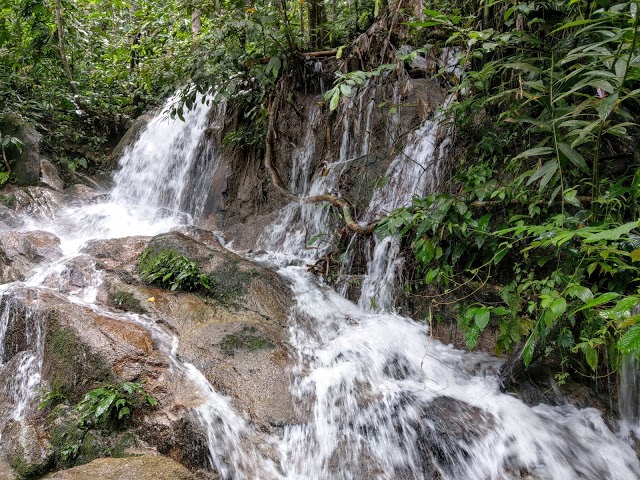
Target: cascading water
x=379 y=399
x=386 y=401
x=412 y=172
x=300 y=231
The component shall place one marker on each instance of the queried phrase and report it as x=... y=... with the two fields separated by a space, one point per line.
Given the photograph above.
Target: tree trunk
x=63 y=52
x=317 y=19
x=196 y=23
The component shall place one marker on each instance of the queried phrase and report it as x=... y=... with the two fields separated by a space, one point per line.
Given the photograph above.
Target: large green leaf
x=574 y=157
x=529 y=347
x=630 y=341
x=613 y=234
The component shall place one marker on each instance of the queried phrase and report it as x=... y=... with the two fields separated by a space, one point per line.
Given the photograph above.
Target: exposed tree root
x=276 y=179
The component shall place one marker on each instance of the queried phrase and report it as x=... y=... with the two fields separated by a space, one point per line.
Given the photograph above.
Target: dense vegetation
x=79 y=70
x=538 y=236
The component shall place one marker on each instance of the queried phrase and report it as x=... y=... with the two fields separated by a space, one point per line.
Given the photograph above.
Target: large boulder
x=146 y=467
x=235 y=335
x=25 y=159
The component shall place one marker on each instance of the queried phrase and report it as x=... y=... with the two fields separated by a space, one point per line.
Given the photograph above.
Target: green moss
x=26 y=471
x=8 y=200
x=71 y=366
x=229 y=283
x=126 y=301
x=247 y=339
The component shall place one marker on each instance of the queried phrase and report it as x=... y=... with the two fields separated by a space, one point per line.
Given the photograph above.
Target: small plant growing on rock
x=171 y=270
x=112 y=404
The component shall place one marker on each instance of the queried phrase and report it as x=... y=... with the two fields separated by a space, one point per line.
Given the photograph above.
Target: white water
x=385 y=400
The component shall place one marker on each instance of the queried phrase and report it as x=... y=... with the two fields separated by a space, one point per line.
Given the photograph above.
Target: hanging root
x=276 y=179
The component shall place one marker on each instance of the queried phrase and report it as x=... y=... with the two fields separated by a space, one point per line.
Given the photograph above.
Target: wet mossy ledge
x=167 y=267
x=247 y=339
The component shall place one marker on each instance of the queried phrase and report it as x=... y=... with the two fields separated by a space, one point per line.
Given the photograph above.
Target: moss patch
x=8 y=200
x=247 y=339
x=71 y=367
x=125 y=301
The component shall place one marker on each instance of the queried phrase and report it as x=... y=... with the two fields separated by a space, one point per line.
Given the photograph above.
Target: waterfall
x=378 y=397
x=301 y=229
x=629 y=393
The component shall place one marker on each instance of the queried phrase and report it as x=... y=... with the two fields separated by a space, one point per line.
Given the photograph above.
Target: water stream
x=384 y=399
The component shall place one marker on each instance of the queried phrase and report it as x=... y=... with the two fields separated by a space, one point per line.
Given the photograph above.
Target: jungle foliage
x=543 y=213
x=80 y=70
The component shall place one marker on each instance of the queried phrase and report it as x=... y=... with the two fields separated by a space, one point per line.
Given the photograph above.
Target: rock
x=146 y=467
x=20 y=252
x=83 y=349
x=133 y=133
x=49 y=175
x=26 y=449
x=235 y=334
x=9 y=218
x=26 y=159
x=39 y=203
x=6 y=472
x=237 y=338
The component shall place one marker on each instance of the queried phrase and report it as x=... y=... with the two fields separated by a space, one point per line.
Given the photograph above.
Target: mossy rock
x=8 y=200
x=73 y=445
x=71 y=367
x=25 y=160
x=125 y=301
x=246 y=339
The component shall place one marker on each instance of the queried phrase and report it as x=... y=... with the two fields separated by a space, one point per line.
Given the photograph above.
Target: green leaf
x=545 y=172
x=345 y=90
x=591 y=355
x=529 y=347
x=123 y=412
x=482 y=318
x=471 y=337
x=614 y=234
x=104 y=405
x=606 y=106
x=558 y=306
x=599 y=300
x=335 y=99
x=583 y=293
x=535 y=152
x=574 y=157
x=630 y=341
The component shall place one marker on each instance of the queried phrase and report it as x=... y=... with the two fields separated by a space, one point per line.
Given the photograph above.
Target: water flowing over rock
x=261 y=371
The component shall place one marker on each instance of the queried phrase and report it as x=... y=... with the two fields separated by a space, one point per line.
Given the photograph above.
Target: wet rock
x=26 y=449
x=445 y=430
x=146 y=467
x=82 y=194
x=26 y=159
x=237 y=336
x=132 y=134
x=84 y=349
x=8 y=218
x=20 y=252
x=50 y=176
x=39 y=203
x=119 y=256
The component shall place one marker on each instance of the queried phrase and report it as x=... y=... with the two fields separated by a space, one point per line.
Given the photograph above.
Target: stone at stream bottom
x=146 y=467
